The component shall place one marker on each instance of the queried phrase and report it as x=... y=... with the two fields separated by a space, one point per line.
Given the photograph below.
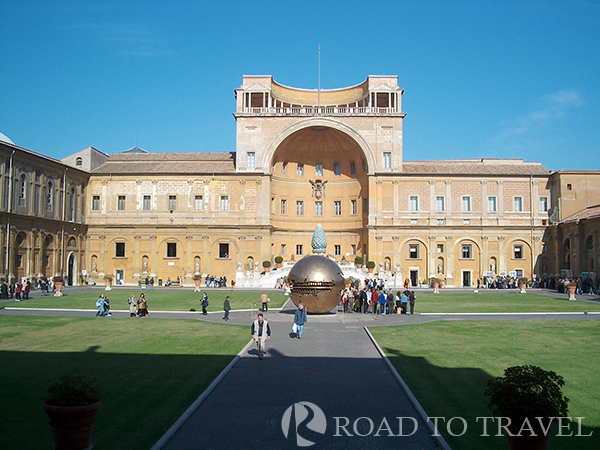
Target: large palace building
x=302 y=157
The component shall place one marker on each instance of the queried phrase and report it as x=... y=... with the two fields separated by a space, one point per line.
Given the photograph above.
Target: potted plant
x=523 y=284
x=71 y=407
x=531 y=398
x=197 y=281
x=572 y=288
x=278 y=261
x=267 y=266
x=435 y=282
x=371 y=266
x=58 y=285
x=108 y=280
x=359 y=261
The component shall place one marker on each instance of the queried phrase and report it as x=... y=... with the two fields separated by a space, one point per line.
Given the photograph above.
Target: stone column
x=153 y=258
x=189 y=261
x=259 y=255
x=448 y=199
x=484 y=257
x=500 y=202
x=449 y=261
x=535 y=242
x=484 y=201
x=242 y=211
x=102 y=257
x=431 y=270
x=136 y=259
x=379 y=198
x=206 y=263
x=432 y=209
x=396 y=201
x=32 y=266
x=40 y=254
x=502 y=256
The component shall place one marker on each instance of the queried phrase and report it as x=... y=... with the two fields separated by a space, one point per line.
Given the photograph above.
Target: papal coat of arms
x=318 y=187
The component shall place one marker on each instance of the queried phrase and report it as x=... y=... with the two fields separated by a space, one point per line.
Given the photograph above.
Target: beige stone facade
x=302 y=157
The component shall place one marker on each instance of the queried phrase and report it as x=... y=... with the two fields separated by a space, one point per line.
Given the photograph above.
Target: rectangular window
x=353 y=249
x=365 y=205
x=299 y=208
x=440 y=203
x=283 y=207
x=337 y=170
x=223 y=250
x=387 y=160
x=146 y=203
x=337 y=208
x=440 y=221
x=251 y=160
x=96 y=203
x=171 y=249
x=414 y=221
x=440 y=248
x=569 y=187
x=543 y=204
x=284 y=168
x=518 y=252
x=353 y=207
x=300 y=170
x=466 y=203
x=224 y=202
x=121 y=203
x=414 y=203
x=337 y=250
x=318 y=208
x=492 y=204
x=466 y=251
x=172 y=202
x=466 y=221
x=319 y=170
x=413 y=251
x=120 y=249
x=353 y=168
x=299 y=250
x=282 y=250
x=518 y=201
x=198 y=203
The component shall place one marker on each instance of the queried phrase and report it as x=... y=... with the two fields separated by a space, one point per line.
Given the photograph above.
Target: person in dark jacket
x=411 y=301
x=204 y=303
x=300 y=319
x=362 y=297
x=226 y=308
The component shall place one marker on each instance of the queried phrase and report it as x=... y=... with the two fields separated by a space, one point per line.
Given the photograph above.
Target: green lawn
x=150 y=372
x=447 y=366
x=158 y=300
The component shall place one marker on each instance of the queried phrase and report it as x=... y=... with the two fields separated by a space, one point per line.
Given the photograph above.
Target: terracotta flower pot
x=58 y=285
x=526 y=441
x=572 y=290
x=71 y=426
x=523 y=286
x=436 y=287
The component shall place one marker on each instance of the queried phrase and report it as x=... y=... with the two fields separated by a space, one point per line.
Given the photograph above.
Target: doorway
x=119 y=276
x=414 y=277
x=71 y=274
x=466 y=276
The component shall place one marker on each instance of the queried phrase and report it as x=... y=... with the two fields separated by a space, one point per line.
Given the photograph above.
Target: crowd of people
x=14 y=290
x=376 y=299
x=218 y=282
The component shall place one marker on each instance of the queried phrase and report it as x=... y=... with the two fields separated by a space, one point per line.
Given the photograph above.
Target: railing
x=320 y=111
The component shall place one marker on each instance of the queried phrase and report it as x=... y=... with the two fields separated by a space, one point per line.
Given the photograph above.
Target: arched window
x=589 y=243
x=79 y=161
x=49 y=196
x=72 y=243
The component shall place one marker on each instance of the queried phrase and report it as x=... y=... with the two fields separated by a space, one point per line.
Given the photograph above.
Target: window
x=414 y=221
x=353 y=168
x=466 y=203
x=300 y=170
x=518 y=202
x=50 y=198
x=466 y=251
x=284 y=168
x=23 y=190
x=414 y=203
x=171 y=249
x=337 y=170
x=413 y=251
x=283 y=207
x=72 y=205
x=353 y=249
x=569 y=187
x=318 y=208
x=440 y=248
x=387 y=160
x=319 y=170
x=120 y=249
x=466 y=221
x=224 y=202
x=223 y=250
x=121 y=203
x=299 y=208
x=282 y=252
x=299 y=250
x=543 y=204
x=518 y=251
x=365 y=205
x=95 y=203
x=440 y=203
x=198 y=203
x=337 y=208
x=251 y=160
x=79 y=161
x=492 y=204
x=172 y=202
x=440 y=221
x=146 y=203
x=337 y=250
x=353 y=207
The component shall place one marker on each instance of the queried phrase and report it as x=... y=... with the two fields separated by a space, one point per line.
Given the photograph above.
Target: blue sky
x=508 y=79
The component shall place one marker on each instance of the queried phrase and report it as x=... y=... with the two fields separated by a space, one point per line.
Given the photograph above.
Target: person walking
x=100 y=305
x=226 y=308
x=142 y=306
x=204 y=304
x=264 y=298
x=411 y=301
x=132 y=306
x=261 y=333
x=299 y=320
x=382 y=302
x=18 y=293
x=26 y=289
x=107 y=307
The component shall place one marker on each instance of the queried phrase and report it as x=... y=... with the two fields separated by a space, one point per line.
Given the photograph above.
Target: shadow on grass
x=458 y=392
